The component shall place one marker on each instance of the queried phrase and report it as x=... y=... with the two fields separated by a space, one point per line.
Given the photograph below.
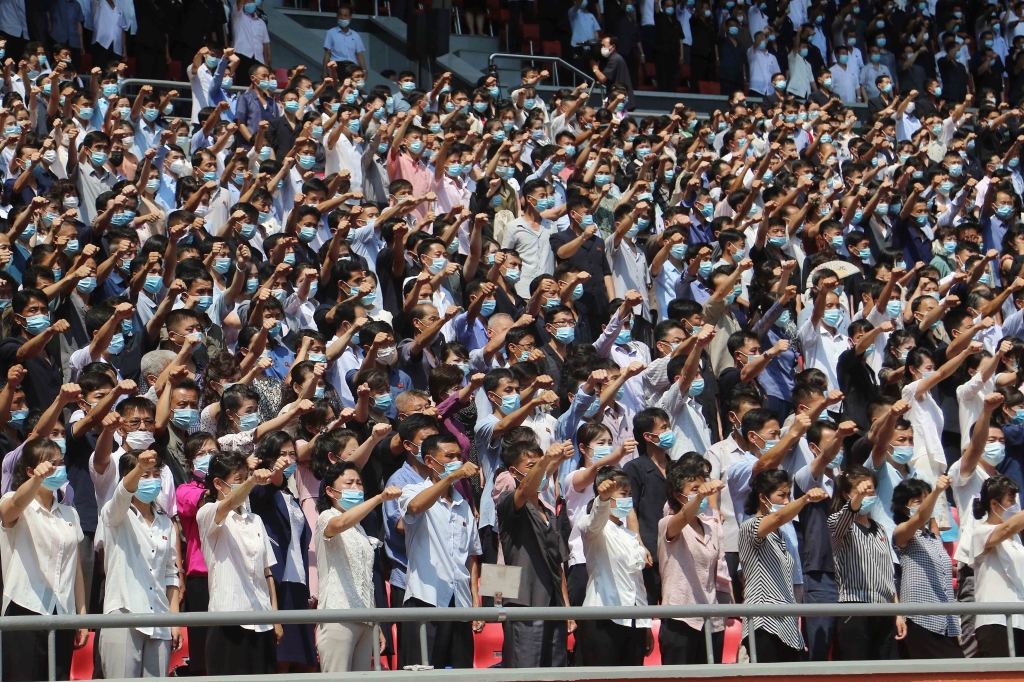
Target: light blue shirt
x=584 y=26
x=394 y=542
x=568 y=424
x=439 y=543
x=488 y=448
x=344 y=46
x=741 y=473
x=472 y=336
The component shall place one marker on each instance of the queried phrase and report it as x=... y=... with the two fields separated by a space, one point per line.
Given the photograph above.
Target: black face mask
x=116 y=158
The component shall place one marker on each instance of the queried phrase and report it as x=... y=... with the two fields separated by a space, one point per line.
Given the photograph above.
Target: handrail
x=502 y=614
x=546 y=58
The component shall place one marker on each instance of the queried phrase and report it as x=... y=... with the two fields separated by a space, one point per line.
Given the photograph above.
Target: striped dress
x=863 y=559
x=768 y=579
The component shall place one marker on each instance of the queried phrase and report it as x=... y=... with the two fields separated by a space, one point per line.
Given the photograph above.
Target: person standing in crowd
x=441 y=573
x=768 y=564
x=239 y=557
x=346 y=555
x=616 y=558
x=42 y=571
x=689 y=550
x=140 y=550
x=864 y=570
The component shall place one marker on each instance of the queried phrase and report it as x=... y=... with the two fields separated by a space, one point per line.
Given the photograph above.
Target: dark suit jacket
x=268 y=501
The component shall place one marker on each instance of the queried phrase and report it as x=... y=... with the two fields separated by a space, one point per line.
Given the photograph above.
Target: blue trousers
x=819 y=588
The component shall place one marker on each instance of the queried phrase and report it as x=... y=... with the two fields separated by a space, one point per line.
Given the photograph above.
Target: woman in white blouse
x=238 y=558
x=345 y=556
x=996 y=554
x=42 y=573
x=615 y=561
x=140 y=549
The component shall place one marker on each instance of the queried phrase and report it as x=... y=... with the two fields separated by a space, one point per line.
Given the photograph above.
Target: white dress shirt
x=237 y=553
x=822 y=349
x=615 y=561
x=439 y=543
x=139 y=560
x=722 y=455
x=345 y=564
x=845 y=82
x=39 y=557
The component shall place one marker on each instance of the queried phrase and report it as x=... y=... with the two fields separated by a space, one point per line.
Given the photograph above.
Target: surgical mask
x=248 y=422
x=994 y=453
x=601 y=451
x=116 y=344
x=705 y=269
x=832 y=317
x=55 y=480
x=783 y=319
x=902 y=454
x=37 y=324
x=666 y=440
x=623 y=505
x=1010 y=511
x=867 y=504
x=510 y=403
x=697 y=387
x=139 y=440
x=387 y=356
x=893 y=308
x=624 y=337
x=201 y=465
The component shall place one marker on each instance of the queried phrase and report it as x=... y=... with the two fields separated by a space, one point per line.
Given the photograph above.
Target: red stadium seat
x=710 y=87
x=174 y=71
x=282 y=78
x=655 y=657
x=551 y=48
x=733 y=634
x=531 y=35
x=488 y=646
x=81 y=660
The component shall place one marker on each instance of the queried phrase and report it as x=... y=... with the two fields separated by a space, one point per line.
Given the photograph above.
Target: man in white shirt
x=845 y=76
x=821 y=339
x=200 y=75
x=763 y=66
x=442 y=543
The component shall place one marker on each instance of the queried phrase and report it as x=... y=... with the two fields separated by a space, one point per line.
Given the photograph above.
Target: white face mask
x=139 y=440
x=387 y=355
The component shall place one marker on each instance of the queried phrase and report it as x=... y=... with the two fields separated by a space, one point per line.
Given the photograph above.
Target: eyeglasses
x=135 y=424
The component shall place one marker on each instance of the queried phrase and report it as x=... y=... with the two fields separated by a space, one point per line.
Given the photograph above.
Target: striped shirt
x=768 y=570
x=927 y=577
x=863 y=558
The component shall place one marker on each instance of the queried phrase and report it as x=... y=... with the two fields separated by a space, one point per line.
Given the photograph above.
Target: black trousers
x=865 y=638
x=25 y=654
x=652 y=584
x=576 y=584
x=666 y=70
x=197 y=600
x=992 y=641
x=151 y=62
x=449 y=643
x=771 y=649
x=732 y=561
x=923 y=643
x=234 y=650
x=404 y=656
x=682 y=645
x=702 y=68
x=605 y=643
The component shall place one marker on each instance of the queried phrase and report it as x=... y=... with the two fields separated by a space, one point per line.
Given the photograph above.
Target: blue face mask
x=184 y=418
x=697 y=387
x=902 y=454
x=510 y=403
x=18 y=418
x=116 y=344
x=600 y=452
x=248 y=422
x=867 y=504
x=148 y=490
x=487 y=307
x=289 y=470
x=623 y=505
x=37 y=324
x=201 y=465
x=624 y=337
x=666 y=440
x=350 y=498
x=382 y=403
x=55 y=480
x=832 y=317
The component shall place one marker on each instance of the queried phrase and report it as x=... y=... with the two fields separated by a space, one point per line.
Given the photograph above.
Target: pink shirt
x=689 y=564
x=308 y=487
x=189 y=496
x=404 y=166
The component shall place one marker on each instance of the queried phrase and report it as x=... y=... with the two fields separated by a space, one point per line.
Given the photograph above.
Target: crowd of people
x=825 y=49
x=335 y=346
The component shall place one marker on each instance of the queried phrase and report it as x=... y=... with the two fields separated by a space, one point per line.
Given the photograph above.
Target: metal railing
x=557 y=63
x=501 y=615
